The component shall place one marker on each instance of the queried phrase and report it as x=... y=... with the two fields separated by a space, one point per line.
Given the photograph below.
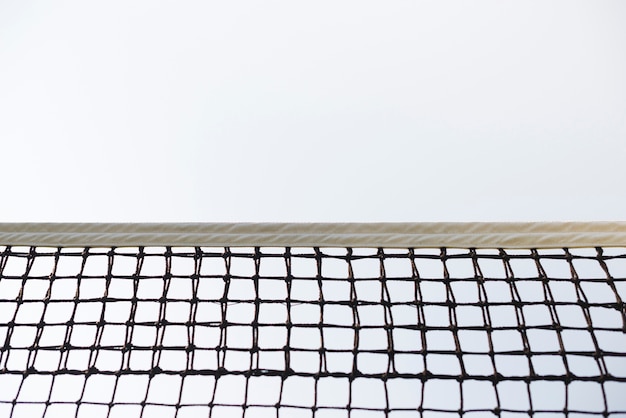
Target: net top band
x=356 y=235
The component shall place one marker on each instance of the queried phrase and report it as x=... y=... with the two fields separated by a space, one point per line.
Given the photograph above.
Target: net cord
x=389 y=235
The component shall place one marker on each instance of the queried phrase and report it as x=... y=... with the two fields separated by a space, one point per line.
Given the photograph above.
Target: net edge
x=386 y=235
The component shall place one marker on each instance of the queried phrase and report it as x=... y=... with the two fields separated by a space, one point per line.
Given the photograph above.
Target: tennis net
x=319 y=320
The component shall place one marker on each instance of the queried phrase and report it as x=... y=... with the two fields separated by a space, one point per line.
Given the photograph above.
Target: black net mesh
x=310 y=332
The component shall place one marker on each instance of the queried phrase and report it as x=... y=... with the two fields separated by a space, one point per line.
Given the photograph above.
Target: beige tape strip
x=389 y=235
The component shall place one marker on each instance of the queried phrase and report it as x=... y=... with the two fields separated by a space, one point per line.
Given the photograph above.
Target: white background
x=312 y=111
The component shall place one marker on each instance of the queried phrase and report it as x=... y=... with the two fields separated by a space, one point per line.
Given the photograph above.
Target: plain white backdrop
x=312 y=111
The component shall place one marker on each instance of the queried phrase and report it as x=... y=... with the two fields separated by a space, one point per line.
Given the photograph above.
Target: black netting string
x=312 y=332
